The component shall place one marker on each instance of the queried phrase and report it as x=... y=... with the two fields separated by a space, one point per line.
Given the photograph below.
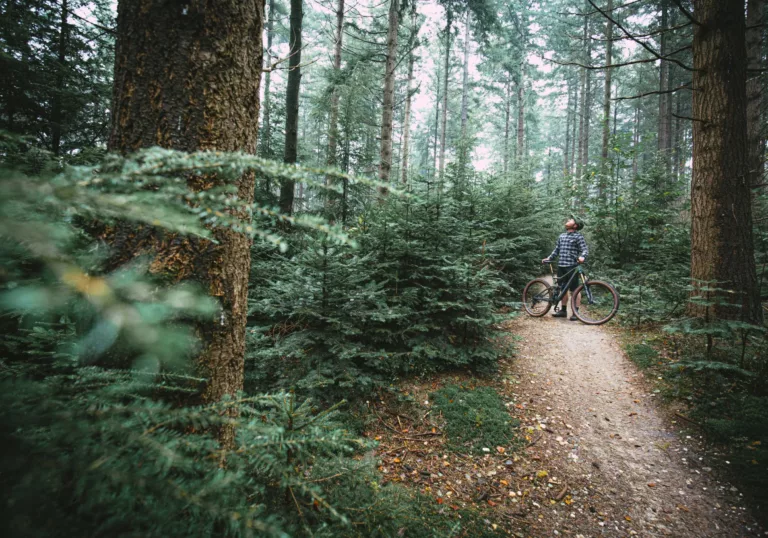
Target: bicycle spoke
x=537 y=298
x=599 y=303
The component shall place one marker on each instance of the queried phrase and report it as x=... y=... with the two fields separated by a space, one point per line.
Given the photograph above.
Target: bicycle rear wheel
x=537 y=297
x=599 y=302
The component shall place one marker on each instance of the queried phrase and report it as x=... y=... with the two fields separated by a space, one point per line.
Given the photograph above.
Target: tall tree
x=755 y=137
x=57 y=112
x=412 y=42
x=449 y=12
x=665 y=99
x=290 y=154
x=722 y=249
x=157 y=102
x=266 y=129
x=333 y=126
x=387 y=113
x=465 y=80
x=607 y=98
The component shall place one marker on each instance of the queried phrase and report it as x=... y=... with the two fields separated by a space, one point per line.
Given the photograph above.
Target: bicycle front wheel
x=537 y=297
x=599 y=302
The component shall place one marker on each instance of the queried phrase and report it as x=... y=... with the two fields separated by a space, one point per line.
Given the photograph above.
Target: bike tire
x=602 y=312
x=537 y=292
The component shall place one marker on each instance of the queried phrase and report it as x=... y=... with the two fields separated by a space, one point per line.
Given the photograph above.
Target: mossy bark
x=187 y=77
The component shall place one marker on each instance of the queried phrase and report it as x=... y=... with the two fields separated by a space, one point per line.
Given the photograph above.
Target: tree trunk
x=465 y=82
x=437 y=122
x=607 y=101
x=664 y=119
x=574 y=126
x=408 y=96
x=635 y=143
x=507 y=113
x=446 y=72
x=755 y=138
x=187 y=77
x=722 y=249
x=385 y=162
x=333 y=128
x=291 y=151
x=520 y=153
x=583 y=108
x=587 y=103
x=56 y=107
x=266 y=138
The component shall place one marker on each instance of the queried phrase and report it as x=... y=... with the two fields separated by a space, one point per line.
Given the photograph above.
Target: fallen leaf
x=542 y=474
x=500 y=449
x=439 y=500
x=397 y=460
x=503 y=482
x=651 y=484
x=490 y=502
x=632 y=414
x=628 y=518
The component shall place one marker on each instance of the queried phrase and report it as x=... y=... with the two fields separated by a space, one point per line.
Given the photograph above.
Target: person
x=571 y=250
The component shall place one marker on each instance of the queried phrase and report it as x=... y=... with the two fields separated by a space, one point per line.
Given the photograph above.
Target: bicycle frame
x=560 y=291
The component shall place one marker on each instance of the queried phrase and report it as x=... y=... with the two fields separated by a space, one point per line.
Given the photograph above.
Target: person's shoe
x=573 y=317
x=560 y=314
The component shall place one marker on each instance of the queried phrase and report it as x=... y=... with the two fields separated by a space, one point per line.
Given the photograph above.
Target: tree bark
x=606 y=101
x=266 y=138
x=465 y=81
x=57 y=104
x=520 y=152
x=722 y=249
x=583 y=119
x=507 y=114
x=755 y=138
x=446 y=72
x=333 y=127
x=291 y=151
x=387 y=113
x=408 y=96
x=187 y=77
x=664 y=118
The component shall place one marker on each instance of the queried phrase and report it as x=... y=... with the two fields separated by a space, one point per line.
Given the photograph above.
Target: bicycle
x=599 y=300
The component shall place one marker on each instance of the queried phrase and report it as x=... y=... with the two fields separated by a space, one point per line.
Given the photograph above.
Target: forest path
x=606 y=441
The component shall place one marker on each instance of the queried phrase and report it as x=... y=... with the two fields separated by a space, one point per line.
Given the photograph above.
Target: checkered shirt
x=569 y=247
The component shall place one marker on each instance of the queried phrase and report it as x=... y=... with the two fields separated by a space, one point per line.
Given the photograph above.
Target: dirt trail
x=626 y=465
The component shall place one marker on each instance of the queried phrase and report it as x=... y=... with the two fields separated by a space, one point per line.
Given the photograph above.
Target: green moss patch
x=475 y=418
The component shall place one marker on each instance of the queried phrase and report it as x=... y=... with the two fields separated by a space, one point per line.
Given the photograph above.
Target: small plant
x=475 y=418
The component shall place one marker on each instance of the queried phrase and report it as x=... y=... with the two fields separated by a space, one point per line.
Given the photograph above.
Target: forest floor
x=597 y=452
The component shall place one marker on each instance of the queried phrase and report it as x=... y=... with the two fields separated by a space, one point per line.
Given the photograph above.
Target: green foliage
x=100 y=425
x=421 y=292
x=475 y=418
x=643 y=355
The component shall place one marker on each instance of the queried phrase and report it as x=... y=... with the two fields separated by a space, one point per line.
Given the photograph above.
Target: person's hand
x=546 y=260
x=581 y=260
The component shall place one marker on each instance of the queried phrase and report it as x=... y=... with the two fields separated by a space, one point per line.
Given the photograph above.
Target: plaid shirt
x=569 y=247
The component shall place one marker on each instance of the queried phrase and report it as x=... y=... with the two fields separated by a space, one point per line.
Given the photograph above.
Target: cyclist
x=571 y=250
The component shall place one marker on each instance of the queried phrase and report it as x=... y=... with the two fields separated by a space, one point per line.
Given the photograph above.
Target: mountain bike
x=599 y=300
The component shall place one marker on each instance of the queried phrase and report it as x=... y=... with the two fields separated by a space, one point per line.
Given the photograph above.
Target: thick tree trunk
x=408 y=96
x=722 y=249
x=266 y=128
x=57 y=105
x=187 y=77
x=755 y=138
x=387 y=113
x=606 y=101
x=446 y=72
x=291 y=151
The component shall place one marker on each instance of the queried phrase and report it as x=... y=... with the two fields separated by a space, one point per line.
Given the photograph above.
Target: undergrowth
x=476 y=419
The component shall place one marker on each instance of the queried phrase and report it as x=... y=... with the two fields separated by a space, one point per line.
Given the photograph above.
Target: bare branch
x=685 y=12
x=601 y=67
x=273 y=67
x=640 y=42
x=689 y=118
x=686 y=86
x=577 y=14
